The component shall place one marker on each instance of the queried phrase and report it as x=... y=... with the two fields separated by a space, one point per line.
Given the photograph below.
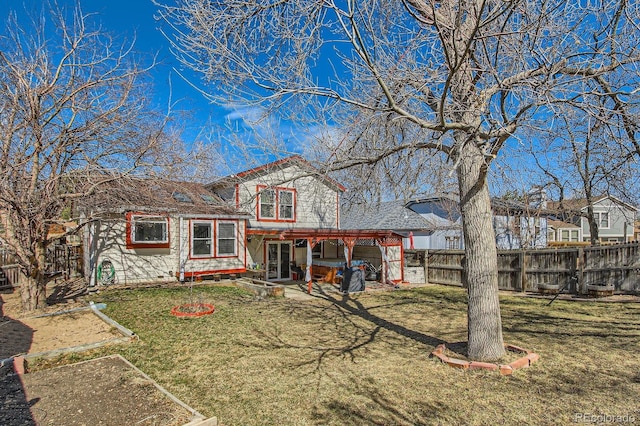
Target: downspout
x=182 y=259
x=90 y=242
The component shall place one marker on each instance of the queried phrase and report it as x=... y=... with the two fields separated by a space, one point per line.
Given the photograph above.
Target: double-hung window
x=147 y=231
x=285 y=204
x=568 y=235
x=276 y=204
x=226 y=239
x=267 y=204
x=602 y=219
x=201 y=239
x=214 y=238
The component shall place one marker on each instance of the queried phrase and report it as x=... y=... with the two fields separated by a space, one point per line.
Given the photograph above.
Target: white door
x=278 y=260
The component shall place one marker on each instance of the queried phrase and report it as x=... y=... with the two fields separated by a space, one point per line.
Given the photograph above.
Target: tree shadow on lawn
x=559 y=325
x=354 y=307
x=346 y=340
x=375 y=407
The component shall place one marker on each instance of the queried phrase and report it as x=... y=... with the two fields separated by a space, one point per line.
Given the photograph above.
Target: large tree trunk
x=480 y=276
x=32 y=292
x=33 y=285
x=593 y=225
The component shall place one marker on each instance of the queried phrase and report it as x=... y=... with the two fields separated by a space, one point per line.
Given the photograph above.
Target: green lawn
x=365 y=360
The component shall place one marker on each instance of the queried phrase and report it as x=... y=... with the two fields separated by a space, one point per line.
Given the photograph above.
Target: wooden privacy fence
x=62 y=260
x=524 y=270
x=9 y=273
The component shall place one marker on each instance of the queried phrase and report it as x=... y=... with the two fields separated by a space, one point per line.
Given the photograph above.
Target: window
x=602 y=219
x=453 y=243
x=277 y=204
x=316 y=251
x=201 y=239
x=227 y=239
x=551 y=235
x=182 y=197
x=208 y=198
x=214 y=238
x=268 y=204
x=285 y=199
x=569 y=235
x=146 y=231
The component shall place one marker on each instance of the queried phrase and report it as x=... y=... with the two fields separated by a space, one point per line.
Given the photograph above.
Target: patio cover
x=348 y=236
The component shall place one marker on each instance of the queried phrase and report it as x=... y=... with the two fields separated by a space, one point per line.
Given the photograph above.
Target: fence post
x=520 y=280
x=581 y=287
x=426 y=266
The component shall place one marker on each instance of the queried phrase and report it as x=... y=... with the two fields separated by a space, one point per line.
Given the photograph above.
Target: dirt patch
x=106 y=391
x=60 y=325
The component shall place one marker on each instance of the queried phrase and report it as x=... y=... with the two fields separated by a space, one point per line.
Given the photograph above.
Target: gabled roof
x=509 y=206
x=579 y=204
x=157 y=195
x=266 y=169
x=558 y=224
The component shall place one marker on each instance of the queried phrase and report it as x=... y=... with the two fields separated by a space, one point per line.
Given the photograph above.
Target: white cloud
x=248 y=114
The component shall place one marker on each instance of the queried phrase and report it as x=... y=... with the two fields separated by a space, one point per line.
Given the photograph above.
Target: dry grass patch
x=365 y=359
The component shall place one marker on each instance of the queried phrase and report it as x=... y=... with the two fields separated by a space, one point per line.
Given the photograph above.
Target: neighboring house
x=559 y=232
x=444 y=223
x=155 y=230
x=519 y=225
x=295 y=221
x=615 y=219
x=433 y=222
x=392 y=216
x=430 y=222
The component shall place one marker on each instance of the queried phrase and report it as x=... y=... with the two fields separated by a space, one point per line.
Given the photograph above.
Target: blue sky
x=126 y=19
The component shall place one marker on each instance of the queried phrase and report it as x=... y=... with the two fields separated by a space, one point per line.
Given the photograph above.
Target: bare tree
x=72 y=105
x=590 y=159
x=468 y=74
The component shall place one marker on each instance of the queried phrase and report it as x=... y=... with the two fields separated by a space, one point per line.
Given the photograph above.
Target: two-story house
x=295 y=222
x=615 y=220
x=279 y=220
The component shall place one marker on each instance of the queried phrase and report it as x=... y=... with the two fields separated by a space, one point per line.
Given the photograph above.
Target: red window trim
x=277 y=190
x=214 y=237
x=236 y=250
x=138 y=245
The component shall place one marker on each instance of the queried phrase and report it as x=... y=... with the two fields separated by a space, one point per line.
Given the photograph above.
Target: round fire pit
x=190 y=310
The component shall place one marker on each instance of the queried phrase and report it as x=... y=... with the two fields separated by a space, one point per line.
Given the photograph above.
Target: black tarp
x=353 y=280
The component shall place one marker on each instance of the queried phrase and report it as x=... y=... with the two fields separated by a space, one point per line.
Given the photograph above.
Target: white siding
x=135 y=265
x=140 y=265
x=316 y=203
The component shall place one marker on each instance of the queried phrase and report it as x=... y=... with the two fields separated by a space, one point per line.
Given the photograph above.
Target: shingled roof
x=158 y=195
x=268 y=168
x=391 y=215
